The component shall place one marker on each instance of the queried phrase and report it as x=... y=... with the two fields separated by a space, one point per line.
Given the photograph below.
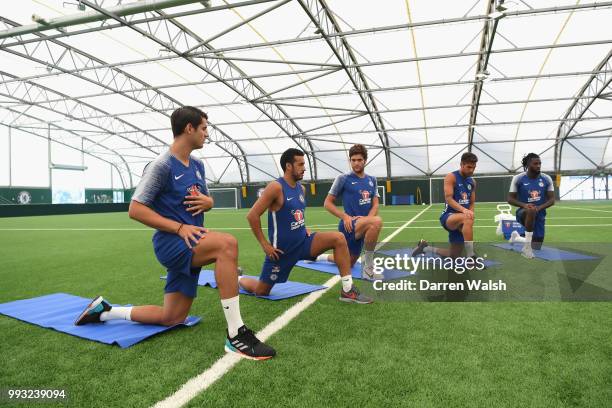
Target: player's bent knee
x=377 y=222
x=339 y=238
x=230 y=240
x=230 y=245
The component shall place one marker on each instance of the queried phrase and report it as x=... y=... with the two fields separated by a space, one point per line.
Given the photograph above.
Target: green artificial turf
x=391 y=353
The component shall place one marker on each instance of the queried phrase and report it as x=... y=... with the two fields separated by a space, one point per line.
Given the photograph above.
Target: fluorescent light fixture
x=483 y=75
x=67 y=167
x=40 y=20
x=502 y=8
x=496 y=15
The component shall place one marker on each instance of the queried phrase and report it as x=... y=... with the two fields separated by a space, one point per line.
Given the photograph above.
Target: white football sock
x=231 y=309
x=469 y=248
x=323 y=258
x=516 y=237
x=117 y=313
x=527 y=244
x=347 y=283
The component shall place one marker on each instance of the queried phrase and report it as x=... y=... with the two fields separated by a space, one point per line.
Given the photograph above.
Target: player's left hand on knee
x=469 y=214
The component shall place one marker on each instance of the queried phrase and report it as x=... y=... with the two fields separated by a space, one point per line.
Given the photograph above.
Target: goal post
x=225 y=198
x=383 y=197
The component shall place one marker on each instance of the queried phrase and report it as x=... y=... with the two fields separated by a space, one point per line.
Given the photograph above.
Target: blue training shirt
x=532 y=190
x=287 y=225
x=356 y=192
x=462 y=192
x=163 y=187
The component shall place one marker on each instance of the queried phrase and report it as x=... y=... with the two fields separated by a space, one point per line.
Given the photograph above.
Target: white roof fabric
x=276 y=74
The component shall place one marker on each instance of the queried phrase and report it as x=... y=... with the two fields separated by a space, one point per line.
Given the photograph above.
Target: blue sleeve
x=154 y=180
x=338 y=186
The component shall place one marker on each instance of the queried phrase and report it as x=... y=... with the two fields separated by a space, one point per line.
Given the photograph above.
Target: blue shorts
x=454 y=236
x=354 y=245
x=172 y=252
x=278 y=271
x=538 y=225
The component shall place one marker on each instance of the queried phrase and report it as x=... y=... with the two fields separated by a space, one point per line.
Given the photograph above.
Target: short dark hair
x=288 y=156
x=358 y=149
x=527 y=158
x=469 y=157
x=182 y=116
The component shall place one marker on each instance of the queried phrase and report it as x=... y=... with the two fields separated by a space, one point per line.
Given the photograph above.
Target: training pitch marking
x=201 y=382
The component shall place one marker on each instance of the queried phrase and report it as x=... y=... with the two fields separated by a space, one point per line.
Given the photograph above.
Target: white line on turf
x=201 y=382
x=410 y=221
x=585 y=209
x=547 y=225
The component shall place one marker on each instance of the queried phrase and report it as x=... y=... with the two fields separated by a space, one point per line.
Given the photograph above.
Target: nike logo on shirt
x=353 y=182
x=178 y=177
x=290 y=198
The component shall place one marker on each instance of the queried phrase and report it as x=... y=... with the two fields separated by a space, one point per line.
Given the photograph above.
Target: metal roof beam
x=453 y=126
x=67 y=59
x=210 y=55
x=81 y=137
x=594 y=87
x=347 y=112
x=31 y=93
x=402 y=146
x=325 y=22
x=437 y=85
x=546 y=10
x=486 y=45
x=60 y=23
x=218 y=69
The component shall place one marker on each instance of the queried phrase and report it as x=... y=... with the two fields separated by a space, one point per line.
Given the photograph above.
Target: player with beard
x=533 y=192
x=458 y=215
x=289 y=241
x=359 y=222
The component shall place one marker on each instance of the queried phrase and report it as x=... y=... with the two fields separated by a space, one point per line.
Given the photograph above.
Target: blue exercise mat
x=330 y=267
x=279 y=291
x=401 y=251
x=59 y=311
x=548 y=253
